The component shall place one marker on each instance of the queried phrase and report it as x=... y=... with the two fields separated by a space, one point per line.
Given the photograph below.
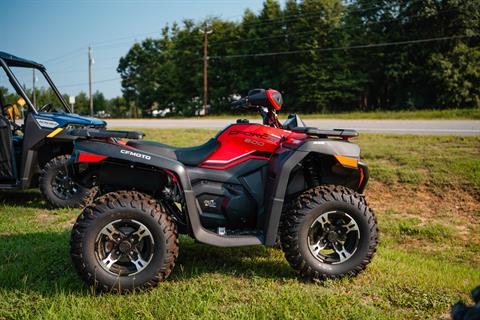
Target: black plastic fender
x=126 y=153
x=332 y=147
x=281 y=166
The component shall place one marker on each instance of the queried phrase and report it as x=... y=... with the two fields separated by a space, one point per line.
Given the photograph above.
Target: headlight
x=44 y=123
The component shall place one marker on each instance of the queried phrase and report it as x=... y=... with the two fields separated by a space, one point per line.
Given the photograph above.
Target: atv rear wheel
x=124 y=241
x=58 y=187
x=329 y=232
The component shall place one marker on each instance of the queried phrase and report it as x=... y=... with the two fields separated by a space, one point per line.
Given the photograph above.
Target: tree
x=99 y=101
x=82 y=103
x=313 y=51
x=456 y=75
x=117 y=107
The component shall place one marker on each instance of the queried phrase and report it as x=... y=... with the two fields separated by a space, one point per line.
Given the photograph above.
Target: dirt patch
x=62 y=221
x=45 y=217
x=456 y=209
x=69 y=223
x=422 y=203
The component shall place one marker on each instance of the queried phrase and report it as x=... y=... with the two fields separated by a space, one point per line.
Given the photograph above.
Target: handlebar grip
x=239 y=103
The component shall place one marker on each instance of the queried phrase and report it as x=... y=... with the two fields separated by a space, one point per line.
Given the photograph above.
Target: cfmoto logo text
x=135 y=154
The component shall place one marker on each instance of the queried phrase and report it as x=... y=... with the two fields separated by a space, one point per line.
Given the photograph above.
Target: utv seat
x=191 y=156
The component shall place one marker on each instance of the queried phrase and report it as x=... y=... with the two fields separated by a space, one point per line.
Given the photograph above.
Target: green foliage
x=457 y=74
x=82 y=105
x=167 y=72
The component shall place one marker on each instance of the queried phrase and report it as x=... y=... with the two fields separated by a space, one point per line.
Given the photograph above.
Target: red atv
x=249 y=185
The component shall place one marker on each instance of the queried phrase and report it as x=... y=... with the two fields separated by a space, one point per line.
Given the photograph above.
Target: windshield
x=36 y=87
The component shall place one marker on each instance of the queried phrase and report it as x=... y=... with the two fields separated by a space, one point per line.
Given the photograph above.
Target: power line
x=110 y=57
x=288 y=18
x=110 y=43
x=293 y=34
x=101 y=45
x=64 y=55
x=374 y=45
x=314 y=31
x=82 y=70
x=107 y=42
x=86 y=83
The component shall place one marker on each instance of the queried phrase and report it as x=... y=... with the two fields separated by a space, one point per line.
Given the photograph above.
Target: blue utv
x=34 y=150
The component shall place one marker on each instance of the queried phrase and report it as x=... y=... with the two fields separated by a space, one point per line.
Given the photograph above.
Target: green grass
x=435 y=231
x=446 y=114
x=440 y=163
x=425 y=191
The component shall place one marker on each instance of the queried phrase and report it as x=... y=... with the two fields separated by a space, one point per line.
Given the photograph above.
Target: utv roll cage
x=8 y=60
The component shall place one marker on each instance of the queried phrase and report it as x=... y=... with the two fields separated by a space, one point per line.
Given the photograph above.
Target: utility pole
x=33 y=86
x=205 y=32
x=90 y=62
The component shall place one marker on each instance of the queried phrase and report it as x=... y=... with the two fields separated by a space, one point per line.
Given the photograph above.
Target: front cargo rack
x=340 y=133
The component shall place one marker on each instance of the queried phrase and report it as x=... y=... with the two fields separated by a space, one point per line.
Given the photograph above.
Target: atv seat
x=191 y=156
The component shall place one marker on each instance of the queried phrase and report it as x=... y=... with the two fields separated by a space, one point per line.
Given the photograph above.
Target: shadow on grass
x=40 y=262
x=28 y=198
x=196 y=259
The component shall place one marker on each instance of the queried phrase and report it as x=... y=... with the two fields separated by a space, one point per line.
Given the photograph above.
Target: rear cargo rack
x=94 y=133
x=340 y=133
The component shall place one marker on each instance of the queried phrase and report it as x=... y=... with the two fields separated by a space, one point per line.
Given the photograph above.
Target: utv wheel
x=58 y=187
x=329 y=232
x=124 y=241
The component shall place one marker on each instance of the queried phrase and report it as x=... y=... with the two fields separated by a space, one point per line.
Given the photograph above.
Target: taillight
x=360 y=172
x=91 y=158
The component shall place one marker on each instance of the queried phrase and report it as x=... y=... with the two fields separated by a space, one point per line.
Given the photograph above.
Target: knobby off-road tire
x=306 y=212
x=118 y=209
x=59 y=189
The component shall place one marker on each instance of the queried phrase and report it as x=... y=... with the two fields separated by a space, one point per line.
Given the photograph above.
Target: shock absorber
x=311 y=172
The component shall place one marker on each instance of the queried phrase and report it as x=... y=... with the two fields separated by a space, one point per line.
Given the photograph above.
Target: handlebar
x=239 y=103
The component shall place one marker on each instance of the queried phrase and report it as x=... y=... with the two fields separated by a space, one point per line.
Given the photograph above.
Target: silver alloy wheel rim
x=124 y=247
x=333 y=237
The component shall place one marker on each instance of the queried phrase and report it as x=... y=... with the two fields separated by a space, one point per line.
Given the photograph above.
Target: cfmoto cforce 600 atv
x=247 y=185
x=35 y=152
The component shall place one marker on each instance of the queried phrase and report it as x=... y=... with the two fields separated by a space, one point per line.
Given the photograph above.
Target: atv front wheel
x=124 y=241
x=329 y=232
x=58 y=187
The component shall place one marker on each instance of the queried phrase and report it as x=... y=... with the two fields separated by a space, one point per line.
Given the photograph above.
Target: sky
x=57 y=33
